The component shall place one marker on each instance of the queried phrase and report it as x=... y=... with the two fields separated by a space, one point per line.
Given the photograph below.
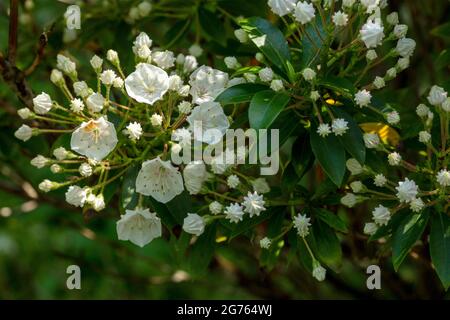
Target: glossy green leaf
x=129 y=197
x=265 y=108
x=327 y=244
x=202 y=250
x=440 y=246
x=240 y=93
x=302 y=156
x=331 y=219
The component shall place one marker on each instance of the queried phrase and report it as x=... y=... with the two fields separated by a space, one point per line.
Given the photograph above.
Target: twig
x=13 y=23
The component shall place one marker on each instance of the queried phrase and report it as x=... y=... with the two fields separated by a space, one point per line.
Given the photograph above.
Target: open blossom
x=437 y=96
x=210 y=120
x=234 y=212
x=159 y=179
x=134 y=131
x=339 y=126
x=194 y=175
x=206 y=84
x=140 y=226
x=254 y=204
x=407 y=190
x=94 y=139
x=362 y=98
x=281 y=7
x=443 y=178
x=76 y=196
x=372 y=33
x=304 y=12
x=95 y=102
x=394 y=158
x=164 y=59
x=301 y=223
x=42 y=103
x=194 y=224
x=147 y=84
x=381 y=215
x=24 y=133
x=323 y=129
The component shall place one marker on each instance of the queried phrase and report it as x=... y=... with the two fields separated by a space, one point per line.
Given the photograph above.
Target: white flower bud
x=446 y=105
x=241 y=35
x=259 y=57
x=156 y=120
x=379 y=180
x=24 y=133
x=276 y=85
x=42 y=103
x=354 y=166
x=232 y=63
x=394 y=159
x=371 y=55
x=96 y=63
x=85 y=170
x=195 y=50
x=400 y=31
x=370 y=228
x=371 y=140
x=392 y=18
x=357 y=186
x=40 y=161
x=56 y=76
x=47 y=185
x=144 y=8
x=60 y=153
x=363 y=98
x=55 y=168
x=194 y=224
x=185 y=107
x=379 y=82
x=422 y=110
x=349 y=200
x=308 y=74
x=112 y=56
x=424 y=137
x=266 y=74
x=24 y=113
x=393 y=117
x=315 y=95
x=437 y=96
x=107 y=77
x=175 y=82
x=118 y=83
x=215 y=208
x=405 y=47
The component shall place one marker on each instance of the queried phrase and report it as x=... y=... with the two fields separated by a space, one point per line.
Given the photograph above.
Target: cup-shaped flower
x=194 y=175
x=194 y=224
x=147 y=84
x=206 y=84
x=140 y=226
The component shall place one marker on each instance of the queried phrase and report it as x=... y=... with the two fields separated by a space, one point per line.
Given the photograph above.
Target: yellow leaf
x=387 y=134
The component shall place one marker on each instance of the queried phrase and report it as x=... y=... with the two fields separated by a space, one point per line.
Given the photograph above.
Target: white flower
x=304 y=12
x=47 y=185
x=24 y=113
x=276 y=85
x=443 y=178
x=141 y=40
x=81 y=89
x=134 y=130
x=241 y=35
x=371 y=140
x=156 y=120
x=76 y=196
x=301 y=223
x=416 y=205
x=405 y=47
x=234 y=212
x=393 y=117
x=159 y=179
x=315 y=95
x=266 y=74
x=339 y=126
x=194 y=224
x=308 y=74
x=77 y=105
x=95 y=102
x=394 y=158
x=233 y=181
x=215 y=207
x=56 y=77
x=144 y=53
x=370 y=5
x=97 y=202
x=118 y=83
x=194 y=175
x=112 y=56
x=232 y=63
x=324 y=129
x=164 y=59
x=371 y=55
x=96 y=63
x=379 y=82
x=260 y=185
x=190 y=64
x=42 y=103
x=259 y=57
x=381 y=215
x=392 y=18
x=250 y=77
x=66 y=65
x=183 y=136
x=362 y=98
x=380 y=180
x=140 y=226
x=107 y=77
x=24 y=133
x=206 y=84
x=184 y=90
x=212 y=121
x=185 y=107
x=195 y=50
x=60 y=153
x=85 y=170
x=349 y=200
x=357 y=186
x=40 y=161
x=372 y=33
x=175 y=82
x=254 y=204
x=370 y=228
x=402 y=64
x=437 y=96
x=400 y=30
x=94 y=139
x=56 y=168
x=407 y=190
x=354 y=166
x=424 y=137
x=147 y=84
x=422 y=110
x=446 y=105
x=281 y=7
x=340 y=19
x=319 y=272
x=265 y=243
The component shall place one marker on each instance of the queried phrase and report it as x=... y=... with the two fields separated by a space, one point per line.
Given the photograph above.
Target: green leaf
x=392 y=225
x=173 y=212
x=440 y=246
x=250 y=223
x=442 y=31
x=310 y=48
x=408 y=232
x=330 y=155
x=240 y=93
x=129 y=197
x=265 y=108
x=176 y=33
x=270 y=40
x=202 y=251
x=302 y=156
x=331 y=219
x=327 y=244
x=352 y=140
x=212 y=26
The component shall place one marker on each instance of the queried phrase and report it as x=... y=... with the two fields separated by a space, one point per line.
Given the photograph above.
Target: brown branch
x=13 y=24
x=43 y=40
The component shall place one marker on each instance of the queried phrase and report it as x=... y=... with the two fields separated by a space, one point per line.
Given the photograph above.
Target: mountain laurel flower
x=144 y=53
x=400 y=31
x=96 y=63
x=76 y=196
x=232 y=63
x=241 y=35
x=77 y=105
x=422 y=110
x=233 y=181
x=206 y=84
x=349 y=200
x=392 y=18
x=402 y=64
x=142 y=40
x=265 y=243
x=81 y=89
x=308 y=74
x=266 y=74
x=184 y=90
x=134 y=131
x=371 y=140
x=164 y=59
x=184 y=107
x=254 y=204
x=302 y=224
x=250 y=77
x=24 y=133
x=24 y=113
x=407 y=190
x=85 y=170
x=443 y=178
x=380 y=180
x=340 y=19
x=94 y=139
x=140 y=226
x=56 y=77
x=118 y=83
x=304 y=12
x=234 y=212
x=47 y=185
x=156 y=120
x=370 y=228
x=319 y=272
x=371 y=55
x=159 y=179
x=195 y=50
x=357 y=186
x=112 y=57
x=215 y=208
x=405 y=47
x=56 y=168
x=379 y=82
x=339 y=126
x=42 y=103
x=281 y=7
x=39 y=161
x=424 y=137
x=393 y=117
x=354 y=166
x=370 y=5
x=60 y=153
x=394 y=158
x=381 y=215
x=260 y=185
x=416 y=205
x=372 y=33
x=437 y=96
x=66 y=65
x=107 y=77
x=190 y=64
x=175 y=82
x=194 y=224
x=194 y=175
x=95 y=102
x=363 y=98
x=147 y=84
x=276 y=85
x=323 y=130
x=97 y=202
